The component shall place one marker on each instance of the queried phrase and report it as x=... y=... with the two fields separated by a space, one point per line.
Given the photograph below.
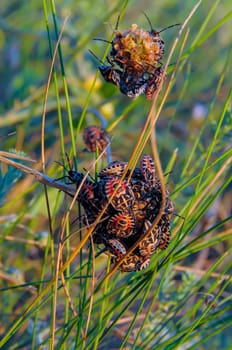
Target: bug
x=132 y=263
x=148 y=170
x=160 y=46
x=115 y=168
x=87 y=194
x=111 y=74
x=169 y=207
x=116 y=248
x=151 y=242
x=123 y=197
x=128 y=82
x=165 y=234
x=154 y=83
x=156 y=37
x=131 y=85
x=121 y=225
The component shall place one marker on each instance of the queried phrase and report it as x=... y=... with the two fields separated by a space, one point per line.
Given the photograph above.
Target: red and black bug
x=115 y=168
x=159 y=52
x=123 y=196
x=132 y=263
x=148 y=170
x=136 y=47
x=87 y=193
x=111 y=74
x=150 y=243
x=165 y=234
x=116 y=248
x=121 y=225
x=154 y=83
x=131 y=85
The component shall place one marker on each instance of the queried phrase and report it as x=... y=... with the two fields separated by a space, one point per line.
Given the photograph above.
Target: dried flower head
x=95 y=138
x=137 y=48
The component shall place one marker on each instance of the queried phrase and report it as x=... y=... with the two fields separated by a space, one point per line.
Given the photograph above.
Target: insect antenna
x=70 y=167
x=68 y=161
x=64 y=167
x=162 y=30
x=104 y=40
x=89 y=175
x=92 y=53
x=148 y=19
x=173 y=25
x=60 y=164
x=179 y=216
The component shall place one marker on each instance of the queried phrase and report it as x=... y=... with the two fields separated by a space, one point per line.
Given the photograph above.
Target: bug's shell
x=154 y=83
x=148 y=169
x=137 y=175
x=144 y=263
x=123 y=198
x=121 y=225
x=95 y=137
x=132 y=86
x=115 y=168
x=111 y=74
x=116 y=248
x=140 y=212
x=169 y=207
x=89 y=200
x=154 y=198
x=150 y=243
x=159 y=44
x=87 y=192
x=132 y=263
x=165 y=234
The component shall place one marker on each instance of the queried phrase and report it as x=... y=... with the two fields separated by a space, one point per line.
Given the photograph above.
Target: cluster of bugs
x=134 y=61
x=132 y=201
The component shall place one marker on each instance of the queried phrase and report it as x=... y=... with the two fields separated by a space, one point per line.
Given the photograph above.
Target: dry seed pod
x=137 y=47
x=95 y=138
